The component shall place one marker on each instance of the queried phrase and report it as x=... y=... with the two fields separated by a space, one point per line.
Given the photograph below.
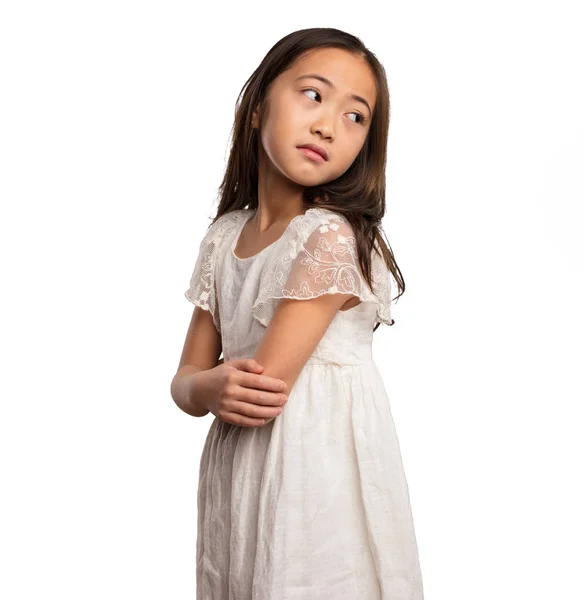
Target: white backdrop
x=114 y=125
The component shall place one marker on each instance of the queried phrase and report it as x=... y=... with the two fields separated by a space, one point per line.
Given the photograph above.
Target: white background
x=114 y=125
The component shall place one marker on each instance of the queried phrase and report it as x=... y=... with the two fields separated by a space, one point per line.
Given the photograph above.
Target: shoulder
x=223 y=225
x=332 y=226
x=227 y=219
x=322 y=220
x=322 y=226
x=324 y=215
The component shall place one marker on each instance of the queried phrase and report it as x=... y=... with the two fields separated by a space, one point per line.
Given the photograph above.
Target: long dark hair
x=359 y=193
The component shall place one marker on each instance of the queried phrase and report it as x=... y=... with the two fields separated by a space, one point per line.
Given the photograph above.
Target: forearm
x=183 y=390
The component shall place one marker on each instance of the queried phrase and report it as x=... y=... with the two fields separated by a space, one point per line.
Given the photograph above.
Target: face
x=302 y=110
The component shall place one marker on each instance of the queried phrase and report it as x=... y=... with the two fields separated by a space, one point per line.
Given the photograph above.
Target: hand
x=236 y=393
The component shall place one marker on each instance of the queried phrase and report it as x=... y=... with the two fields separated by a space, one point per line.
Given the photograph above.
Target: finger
x=262 y=382
x=242 y=421
x=246 y=364
x=261 y=397
x=254 y=411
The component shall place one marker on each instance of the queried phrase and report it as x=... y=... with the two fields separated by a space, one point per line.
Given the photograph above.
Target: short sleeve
x=320 y=257
x=202 y=289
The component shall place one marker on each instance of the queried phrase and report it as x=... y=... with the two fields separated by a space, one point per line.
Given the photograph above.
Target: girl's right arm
x=182 y=390
x=236 y=391
x=201 y=352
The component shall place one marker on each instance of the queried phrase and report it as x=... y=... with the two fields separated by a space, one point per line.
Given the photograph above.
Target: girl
x=302 y=493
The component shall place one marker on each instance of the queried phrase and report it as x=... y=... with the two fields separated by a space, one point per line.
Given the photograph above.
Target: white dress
x=314 y=505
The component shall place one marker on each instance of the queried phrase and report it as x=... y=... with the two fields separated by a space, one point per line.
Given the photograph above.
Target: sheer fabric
x=317 y=256
x=315 y=504
x=202 y=290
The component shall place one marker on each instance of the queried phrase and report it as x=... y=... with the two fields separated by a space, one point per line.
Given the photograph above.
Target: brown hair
x=359 y=193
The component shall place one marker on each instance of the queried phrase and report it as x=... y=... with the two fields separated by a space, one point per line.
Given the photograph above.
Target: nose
x=323 y=127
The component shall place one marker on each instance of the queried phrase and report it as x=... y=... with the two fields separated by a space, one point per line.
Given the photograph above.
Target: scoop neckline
x=240 y=229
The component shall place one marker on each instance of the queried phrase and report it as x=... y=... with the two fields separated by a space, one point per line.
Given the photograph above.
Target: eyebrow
x=330 y=84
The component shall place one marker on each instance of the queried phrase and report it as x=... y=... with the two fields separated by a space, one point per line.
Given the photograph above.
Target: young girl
x=302 y=493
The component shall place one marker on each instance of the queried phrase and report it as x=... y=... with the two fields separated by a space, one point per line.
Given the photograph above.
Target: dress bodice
x=315 y=255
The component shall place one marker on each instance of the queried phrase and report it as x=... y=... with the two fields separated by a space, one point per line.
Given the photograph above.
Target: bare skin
x=236 y=391
x=297 y=112
x=302 y=111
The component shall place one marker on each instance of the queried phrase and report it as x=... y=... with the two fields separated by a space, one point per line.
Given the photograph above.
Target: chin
x=307 y=179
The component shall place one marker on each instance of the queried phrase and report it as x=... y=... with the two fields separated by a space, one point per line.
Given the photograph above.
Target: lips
x=315 y=148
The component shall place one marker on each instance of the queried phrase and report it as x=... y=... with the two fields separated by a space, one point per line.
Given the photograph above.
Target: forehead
x=348 y=72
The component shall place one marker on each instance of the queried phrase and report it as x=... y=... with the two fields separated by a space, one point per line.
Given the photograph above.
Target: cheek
x=275 y=143
x=287 y=119
x=272 y=142
x=278 y=133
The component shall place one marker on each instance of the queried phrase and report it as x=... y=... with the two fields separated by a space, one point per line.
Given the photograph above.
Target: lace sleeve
x=202 y=289
x=320 y=257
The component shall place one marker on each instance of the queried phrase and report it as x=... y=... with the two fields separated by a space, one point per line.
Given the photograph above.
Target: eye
x=362 y=117
x=311 y=90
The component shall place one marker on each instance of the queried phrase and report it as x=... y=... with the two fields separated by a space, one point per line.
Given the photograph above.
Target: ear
x=255 y=118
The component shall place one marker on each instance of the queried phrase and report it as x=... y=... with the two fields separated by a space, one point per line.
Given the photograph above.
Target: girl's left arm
x=294 y=332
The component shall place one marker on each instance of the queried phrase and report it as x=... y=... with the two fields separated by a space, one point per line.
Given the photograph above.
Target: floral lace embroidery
x=202 y=290
x=321 y=258
x=339 y=275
